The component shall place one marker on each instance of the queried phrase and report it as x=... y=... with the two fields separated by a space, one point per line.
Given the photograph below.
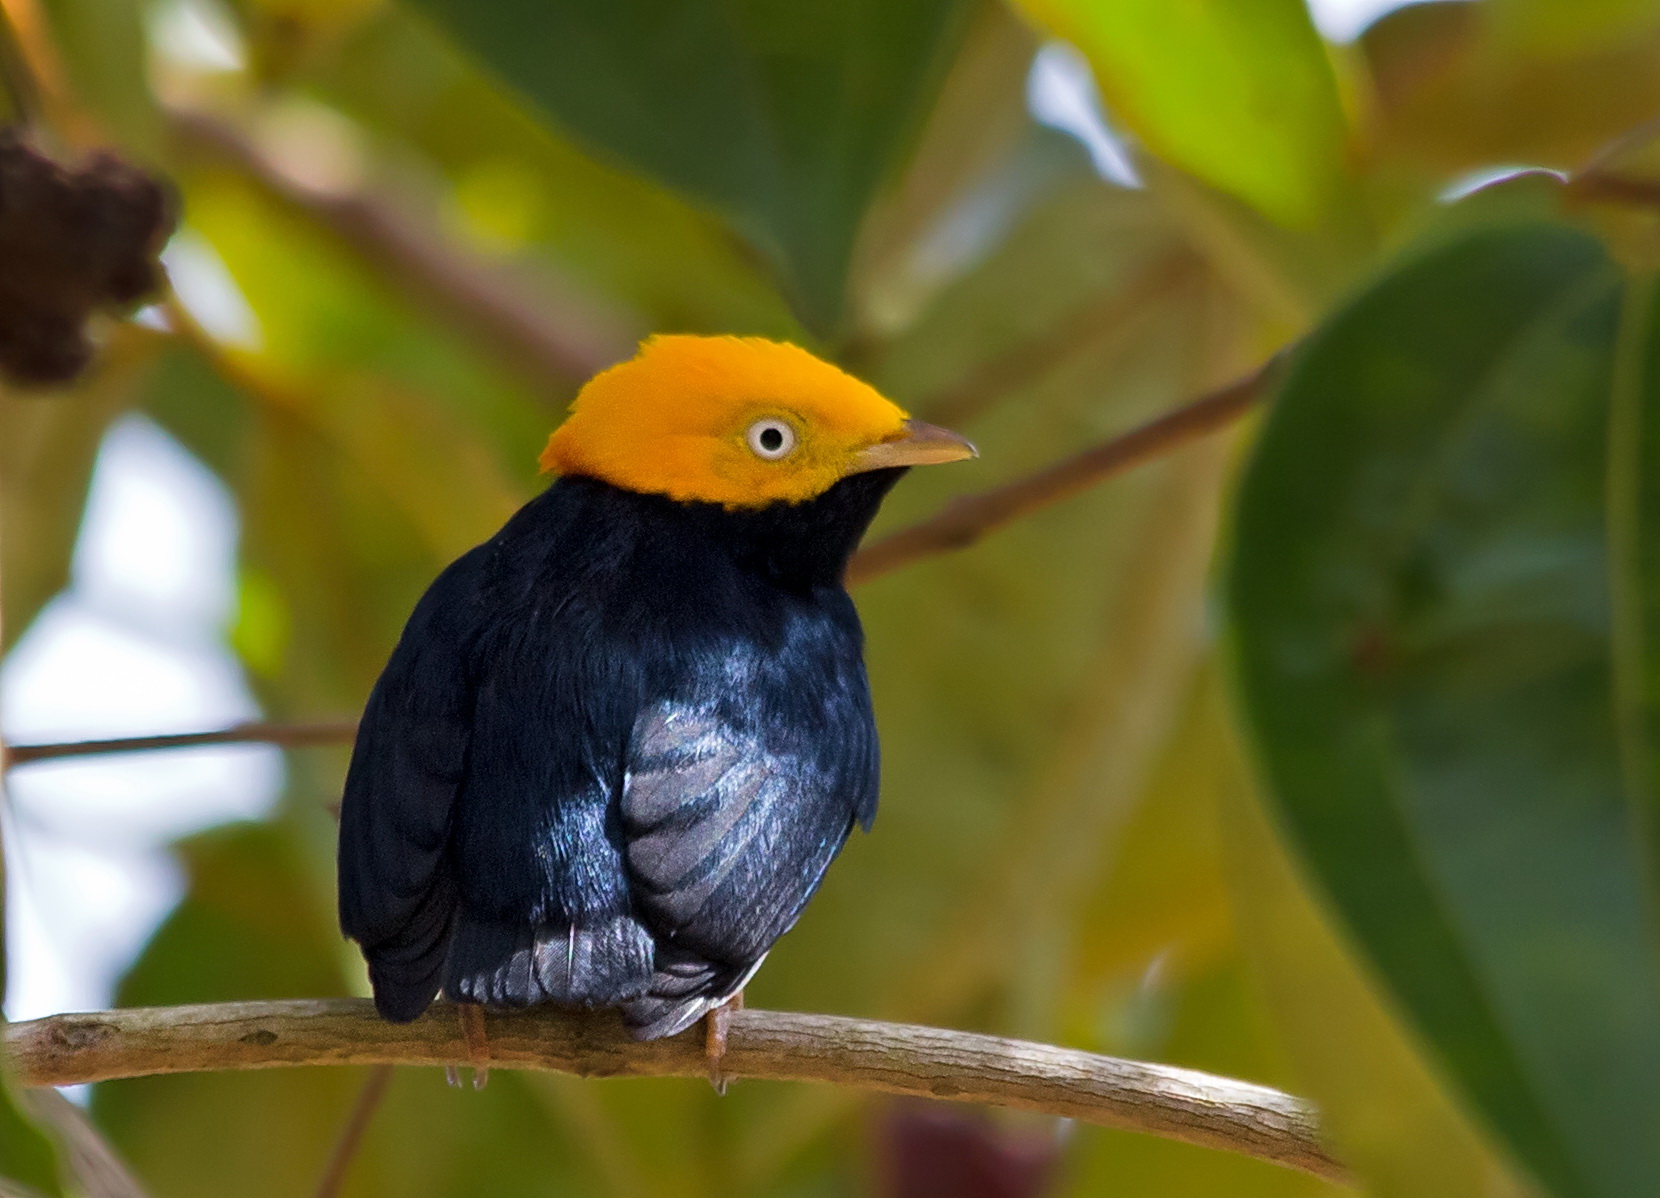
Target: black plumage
x=613 y=754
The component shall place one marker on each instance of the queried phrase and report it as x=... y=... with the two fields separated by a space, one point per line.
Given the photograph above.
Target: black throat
x=793 y=545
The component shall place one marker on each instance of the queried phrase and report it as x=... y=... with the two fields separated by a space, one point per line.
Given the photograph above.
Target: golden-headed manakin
x=619 y=743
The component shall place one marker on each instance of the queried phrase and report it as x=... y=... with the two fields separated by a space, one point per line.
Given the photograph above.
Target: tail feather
x=517 y=965
x=684 y=987
x=405 y=969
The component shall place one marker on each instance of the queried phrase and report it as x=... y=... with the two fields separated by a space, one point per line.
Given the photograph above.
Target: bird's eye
x=771 y=439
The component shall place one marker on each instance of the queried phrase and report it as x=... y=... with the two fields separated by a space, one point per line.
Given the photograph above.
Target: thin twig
x=290 y=736
x=557 y=341
x=351 y=1135
x=967 y=519
x=1109 y=315
x=1178 y=1104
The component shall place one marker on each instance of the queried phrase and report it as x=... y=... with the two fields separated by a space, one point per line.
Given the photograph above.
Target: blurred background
x=408 y=232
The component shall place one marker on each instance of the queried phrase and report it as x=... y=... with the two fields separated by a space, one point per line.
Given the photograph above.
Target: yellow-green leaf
x=1239 y=92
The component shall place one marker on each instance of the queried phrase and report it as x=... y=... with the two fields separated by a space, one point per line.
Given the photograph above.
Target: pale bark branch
x=1178 y=1104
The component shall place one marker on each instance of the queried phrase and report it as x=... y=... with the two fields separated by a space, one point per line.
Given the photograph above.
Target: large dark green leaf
x=785 y=117
x=1421 y=601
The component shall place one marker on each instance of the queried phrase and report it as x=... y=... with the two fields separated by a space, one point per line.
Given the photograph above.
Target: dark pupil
x=772 y=440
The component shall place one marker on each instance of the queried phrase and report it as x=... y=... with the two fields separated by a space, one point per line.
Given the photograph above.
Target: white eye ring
x=770 y=439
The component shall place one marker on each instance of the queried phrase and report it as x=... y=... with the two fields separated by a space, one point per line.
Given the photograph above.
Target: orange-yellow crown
x=738 y=421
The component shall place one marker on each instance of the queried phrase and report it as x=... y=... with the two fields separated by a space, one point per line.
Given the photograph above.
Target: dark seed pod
x=74 y=240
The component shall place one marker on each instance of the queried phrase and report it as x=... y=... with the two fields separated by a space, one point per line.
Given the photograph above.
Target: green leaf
x=1238 y=92
x=641 y=256
x=1421 y=604
x=787 y=118
x=103 y=44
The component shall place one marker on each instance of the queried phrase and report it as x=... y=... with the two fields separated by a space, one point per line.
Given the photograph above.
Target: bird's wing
x=729 y=824
x=397 y=897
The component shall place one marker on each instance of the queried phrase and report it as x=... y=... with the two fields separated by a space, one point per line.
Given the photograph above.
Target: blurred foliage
x=1240 y=93
x=1394 y=850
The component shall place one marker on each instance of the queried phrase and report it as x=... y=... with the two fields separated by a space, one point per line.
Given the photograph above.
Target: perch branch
x=967 y=519
x=961 y=523
x=1178 y=1104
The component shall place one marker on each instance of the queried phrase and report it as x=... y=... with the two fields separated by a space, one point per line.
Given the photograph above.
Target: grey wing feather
x=726 y=837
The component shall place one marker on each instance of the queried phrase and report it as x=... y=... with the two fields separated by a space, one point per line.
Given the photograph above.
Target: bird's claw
x=478 y=1046
x=715 y=1027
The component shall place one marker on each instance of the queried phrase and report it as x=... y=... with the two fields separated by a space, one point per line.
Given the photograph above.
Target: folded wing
x=397 y=894
x=729 y=827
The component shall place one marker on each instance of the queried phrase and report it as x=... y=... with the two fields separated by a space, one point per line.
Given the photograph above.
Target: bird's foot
x=478 y=1046
x=715 y=1024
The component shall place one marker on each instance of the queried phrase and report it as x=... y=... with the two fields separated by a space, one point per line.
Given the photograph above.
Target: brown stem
x=557 y=341
x=351 y=1135
x=1178 y=1104
x=967 y=519
x=321 y=732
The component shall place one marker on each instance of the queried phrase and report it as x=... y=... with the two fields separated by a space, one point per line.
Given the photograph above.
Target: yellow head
x=738 y=421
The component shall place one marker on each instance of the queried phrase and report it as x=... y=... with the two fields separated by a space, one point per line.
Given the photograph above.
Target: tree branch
x=1178 y=1104
x=967 y=519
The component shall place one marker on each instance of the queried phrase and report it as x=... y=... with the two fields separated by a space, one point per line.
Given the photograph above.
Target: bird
x=618 y=744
